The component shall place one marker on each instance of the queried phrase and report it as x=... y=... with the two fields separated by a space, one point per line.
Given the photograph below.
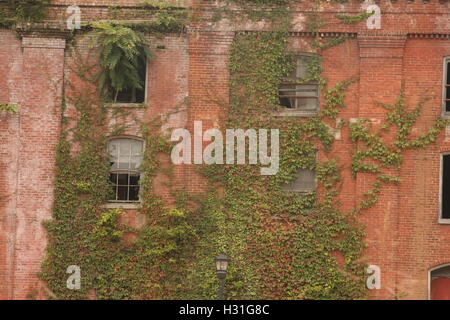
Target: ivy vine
x=283 y=245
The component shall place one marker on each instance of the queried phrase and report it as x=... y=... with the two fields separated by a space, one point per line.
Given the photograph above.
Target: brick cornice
x=43 y=29
x=429 y=35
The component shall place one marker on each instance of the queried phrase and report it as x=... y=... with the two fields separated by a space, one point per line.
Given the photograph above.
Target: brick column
x=381 y=73
x=10 y=92
x=209 y=52
x=39 y=128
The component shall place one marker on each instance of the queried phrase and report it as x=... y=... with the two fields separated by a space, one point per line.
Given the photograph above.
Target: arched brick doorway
x=440 y=283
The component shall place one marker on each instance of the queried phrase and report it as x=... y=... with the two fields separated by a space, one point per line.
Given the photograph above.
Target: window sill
x=123 y=205
x=126 y=105
x=289 y=113
x=444 y=221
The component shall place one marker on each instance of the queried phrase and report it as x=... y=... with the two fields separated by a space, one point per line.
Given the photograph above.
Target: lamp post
x=221 y=269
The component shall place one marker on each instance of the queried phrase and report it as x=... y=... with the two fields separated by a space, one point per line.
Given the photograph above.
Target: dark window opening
x=297 y=94
x=446 y=187
x=133 y=95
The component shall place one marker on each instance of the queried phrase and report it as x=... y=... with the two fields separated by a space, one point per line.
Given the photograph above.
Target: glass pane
x=302 y=62
x=113 y=148
x=307 y=176
x=134 y=179
x=309 y=104
x=307 y=90
x=113 y=178
x=135 y=162
x=124 y=147
x=136 y=148
x=134 y=194
x=306 y=180
x=113 y=153
x=447 y=106
x=122 y=193
x=124 y=162
x=448 y=72
x=122 y=179
x=286 y=102
x=114 y=192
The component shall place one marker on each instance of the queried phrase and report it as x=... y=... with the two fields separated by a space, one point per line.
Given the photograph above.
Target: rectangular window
x=305 y=181
x=133 y=95
x=126 y=156
x=446 y=93
x=445 y=186
x=296 y=93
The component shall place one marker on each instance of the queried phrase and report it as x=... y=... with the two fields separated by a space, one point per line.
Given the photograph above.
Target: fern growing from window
x=123 y=59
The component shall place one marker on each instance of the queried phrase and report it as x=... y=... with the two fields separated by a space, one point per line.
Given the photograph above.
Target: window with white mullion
x=126 y=157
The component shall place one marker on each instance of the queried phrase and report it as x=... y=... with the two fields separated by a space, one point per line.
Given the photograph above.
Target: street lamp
x=221 y=269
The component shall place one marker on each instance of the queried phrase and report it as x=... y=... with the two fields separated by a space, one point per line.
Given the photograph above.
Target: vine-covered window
x=305 y=181
x=125 y=157
x=299 y=91
x=446 y=93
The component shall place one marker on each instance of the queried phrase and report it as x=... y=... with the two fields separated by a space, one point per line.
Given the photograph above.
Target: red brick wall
x=403 y=235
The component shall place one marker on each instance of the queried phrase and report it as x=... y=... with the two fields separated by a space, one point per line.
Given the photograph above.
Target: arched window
x=125 y=157
x=439 y=282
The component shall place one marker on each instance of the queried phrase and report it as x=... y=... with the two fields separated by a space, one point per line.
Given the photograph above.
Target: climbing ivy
x=283 y=245
x=352 y=19
x=376 y=152
x=14 y=11
x=8 y=107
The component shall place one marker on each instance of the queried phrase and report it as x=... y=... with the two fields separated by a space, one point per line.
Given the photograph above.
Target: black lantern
x=221 y=269
x=222 y=266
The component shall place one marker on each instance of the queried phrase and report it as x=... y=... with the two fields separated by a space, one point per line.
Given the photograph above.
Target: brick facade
x=403 y=234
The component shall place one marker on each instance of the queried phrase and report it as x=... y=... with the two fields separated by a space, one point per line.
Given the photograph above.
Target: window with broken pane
x=125 y=158
x=296 y=93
